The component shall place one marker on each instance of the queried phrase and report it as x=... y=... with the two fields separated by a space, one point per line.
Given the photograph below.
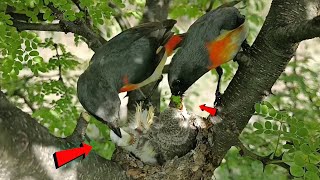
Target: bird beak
x=117 y=131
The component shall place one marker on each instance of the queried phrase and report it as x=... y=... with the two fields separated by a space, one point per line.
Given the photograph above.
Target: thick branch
x=300 y=31
x=269 y=57
x=26 y=149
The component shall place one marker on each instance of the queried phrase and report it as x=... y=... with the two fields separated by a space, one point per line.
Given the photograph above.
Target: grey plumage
x=130 y=55
x=192 y=61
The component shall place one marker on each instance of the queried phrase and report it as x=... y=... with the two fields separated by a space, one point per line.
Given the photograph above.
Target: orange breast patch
x=224 y=48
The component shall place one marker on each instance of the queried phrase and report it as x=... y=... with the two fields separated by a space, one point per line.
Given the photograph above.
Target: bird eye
x=176 y=83
x=176 y=87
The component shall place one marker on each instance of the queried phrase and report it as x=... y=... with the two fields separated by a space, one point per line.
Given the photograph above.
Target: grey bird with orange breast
x=212 y=40
x=120 y=65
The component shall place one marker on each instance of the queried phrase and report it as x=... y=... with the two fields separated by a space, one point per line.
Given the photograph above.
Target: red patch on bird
x=172 y=44
x=223 y=49
x=128 y=87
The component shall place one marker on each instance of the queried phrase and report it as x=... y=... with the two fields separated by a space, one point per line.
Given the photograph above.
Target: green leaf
x=296 y=142
x=314 y=158
x=293 y=129
x=303 y=132
x=259 y=131
x=19 y=65
x=305 y=148
x=257 y=125
x=299 y=158
x=275 y=127
x=34 y=53
x=272 y=112
x=268 y=118
x=312 y=167
x=287 y=146
x=27 y=43
x=257 y=108
x=31 y=35
x=28 y=48
x=23 y=34
x=312 y=175
x=34 y=45
x=269 y=105
x=268 y=131
x=264 y=109
x=296 y=171
x=268 y=125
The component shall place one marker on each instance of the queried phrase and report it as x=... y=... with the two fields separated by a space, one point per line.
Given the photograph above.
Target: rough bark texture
x=26 y=147
x=156 y=10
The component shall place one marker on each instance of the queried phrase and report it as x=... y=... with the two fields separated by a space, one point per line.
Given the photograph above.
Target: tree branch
x=28 y=103
x=210 y=6
x=77 y=3
x=155 y=10
x=21 y=17
x=265 y=160
x=21 y=26
x=93 y=40
x=270 y=57
x=300 y=31
x=24 y=140
x=79 y=132
x=121 y=20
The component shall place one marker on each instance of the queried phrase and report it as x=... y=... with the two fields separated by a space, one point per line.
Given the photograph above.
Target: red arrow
x=212 y=111
x=65 y=156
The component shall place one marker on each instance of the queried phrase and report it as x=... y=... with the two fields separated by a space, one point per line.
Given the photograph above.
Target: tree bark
x=26 y=149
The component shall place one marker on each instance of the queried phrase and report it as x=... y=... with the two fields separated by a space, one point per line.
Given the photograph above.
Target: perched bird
x=128 y=58
x=213 y=39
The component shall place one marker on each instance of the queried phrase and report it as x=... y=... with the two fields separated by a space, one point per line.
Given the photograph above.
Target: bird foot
x=218 y=100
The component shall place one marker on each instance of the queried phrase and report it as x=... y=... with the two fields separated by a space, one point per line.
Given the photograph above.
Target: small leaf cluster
x=102 y=145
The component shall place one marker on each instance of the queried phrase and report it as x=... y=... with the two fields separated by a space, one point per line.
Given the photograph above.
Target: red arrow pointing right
x=65 y=156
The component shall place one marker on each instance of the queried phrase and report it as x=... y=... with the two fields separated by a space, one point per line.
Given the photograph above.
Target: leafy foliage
x=297 y=139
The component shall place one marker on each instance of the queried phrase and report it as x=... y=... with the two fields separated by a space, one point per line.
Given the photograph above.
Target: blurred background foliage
x=39 y=73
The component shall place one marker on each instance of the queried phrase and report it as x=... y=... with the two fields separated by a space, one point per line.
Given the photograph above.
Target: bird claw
x=218 y=100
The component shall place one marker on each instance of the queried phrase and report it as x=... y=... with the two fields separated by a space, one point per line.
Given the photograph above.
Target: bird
x=172 y=44
x=129 y=58
x=213 y=39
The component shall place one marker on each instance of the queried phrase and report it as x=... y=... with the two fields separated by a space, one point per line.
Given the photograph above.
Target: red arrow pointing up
x=65 y=156
x=212 y=111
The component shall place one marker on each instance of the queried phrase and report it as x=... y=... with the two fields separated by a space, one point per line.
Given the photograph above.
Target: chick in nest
x=134 y=135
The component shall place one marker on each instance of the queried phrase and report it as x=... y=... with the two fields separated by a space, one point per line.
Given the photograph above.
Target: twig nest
x=173 y=134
